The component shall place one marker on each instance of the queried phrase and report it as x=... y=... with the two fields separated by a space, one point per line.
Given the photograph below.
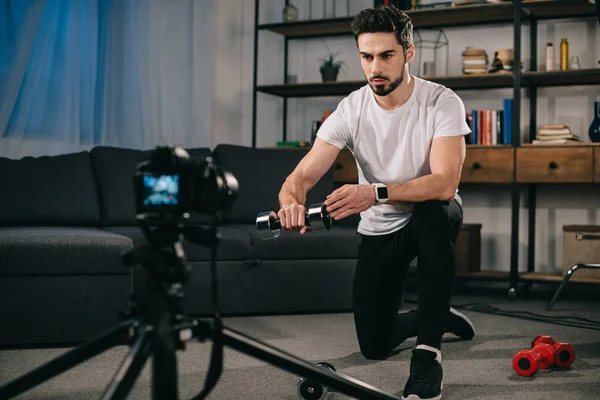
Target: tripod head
x=168 y=186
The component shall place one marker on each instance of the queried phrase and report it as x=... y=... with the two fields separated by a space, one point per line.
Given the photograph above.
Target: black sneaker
x=425 y=380
x=460 y=325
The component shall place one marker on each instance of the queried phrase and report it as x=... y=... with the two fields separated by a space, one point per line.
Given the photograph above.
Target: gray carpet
x=477 y=369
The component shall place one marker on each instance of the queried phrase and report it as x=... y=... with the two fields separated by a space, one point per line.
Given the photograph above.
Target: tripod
x=156 y=326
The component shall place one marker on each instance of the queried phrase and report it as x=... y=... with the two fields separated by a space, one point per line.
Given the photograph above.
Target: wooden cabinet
x=482 y=165
x=555 y=164
x=488 y=164
x=496 y=164
x=597 y=164
x=344 y=168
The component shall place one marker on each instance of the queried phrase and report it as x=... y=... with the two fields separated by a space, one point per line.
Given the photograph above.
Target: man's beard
x=383 y=90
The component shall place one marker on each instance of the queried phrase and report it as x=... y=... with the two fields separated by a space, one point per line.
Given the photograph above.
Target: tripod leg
x=66 y=361
x=130 y=368
x=164 y=362
x=293 y=364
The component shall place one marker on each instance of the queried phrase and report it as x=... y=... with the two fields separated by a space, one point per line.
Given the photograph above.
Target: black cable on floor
x=570 y=321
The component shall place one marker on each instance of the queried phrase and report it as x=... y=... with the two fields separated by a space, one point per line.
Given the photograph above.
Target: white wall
x=489 y=205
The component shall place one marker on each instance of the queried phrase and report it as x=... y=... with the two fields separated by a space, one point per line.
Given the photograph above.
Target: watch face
x=382 y=193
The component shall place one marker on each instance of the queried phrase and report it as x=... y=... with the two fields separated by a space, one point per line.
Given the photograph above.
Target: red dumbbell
x=528 y=362
x=564 y=354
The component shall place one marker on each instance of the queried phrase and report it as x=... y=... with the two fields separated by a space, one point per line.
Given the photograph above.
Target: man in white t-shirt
x=407 y=136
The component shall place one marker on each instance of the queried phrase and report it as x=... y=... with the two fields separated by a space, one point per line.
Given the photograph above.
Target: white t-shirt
x=392 y=146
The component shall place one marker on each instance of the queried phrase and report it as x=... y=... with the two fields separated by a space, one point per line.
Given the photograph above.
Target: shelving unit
x=484 y=164
x=481 y=14
x=458 y=82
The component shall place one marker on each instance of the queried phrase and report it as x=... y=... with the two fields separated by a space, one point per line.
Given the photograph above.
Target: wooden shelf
x=343 y=88
x=554 y=146
x=525 y=276
x=561 y=9
x=316 y=89
x=589 y=76
x=479 y=14
x=310 y=28
x=554 y=277
x=489 y=146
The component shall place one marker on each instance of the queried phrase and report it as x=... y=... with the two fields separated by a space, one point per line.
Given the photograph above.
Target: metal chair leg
x=568 y=276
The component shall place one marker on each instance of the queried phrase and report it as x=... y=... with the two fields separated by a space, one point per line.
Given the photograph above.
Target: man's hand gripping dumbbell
x=293 y=217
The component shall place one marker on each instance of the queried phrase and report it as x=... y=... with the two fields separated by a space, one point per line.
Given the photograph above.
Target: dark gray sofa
x=65 y=221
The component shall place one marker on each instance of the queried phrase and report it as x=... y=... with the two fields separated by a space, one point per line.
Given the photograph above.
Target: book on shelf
x=555 y=141
x=475 y=61
x=491 y=127
x=556 y=134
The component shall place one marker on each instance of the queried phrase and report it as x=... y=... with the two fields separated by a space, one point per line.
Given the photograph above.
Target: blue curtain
x=75 y=74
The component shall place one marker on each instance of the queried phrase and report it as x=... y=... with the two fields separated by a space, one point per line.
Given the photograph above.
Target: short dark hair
x=387 y=19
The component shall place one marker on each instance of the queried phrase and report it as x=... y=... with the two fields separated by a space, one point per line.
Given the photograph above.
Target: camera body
x=172 y=183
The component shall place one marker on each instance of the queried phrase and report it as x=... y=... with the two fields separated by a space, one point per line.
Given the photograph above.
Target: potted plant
x=330 y=67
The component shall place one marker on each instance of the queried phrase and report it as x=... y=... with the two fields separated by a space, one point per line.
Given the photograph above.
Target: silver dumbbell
x=316 y=217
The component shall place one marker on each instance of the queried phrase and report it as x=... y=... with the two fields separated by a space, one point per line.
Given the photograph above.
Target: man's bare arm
x=308 y=172
x=447 y=156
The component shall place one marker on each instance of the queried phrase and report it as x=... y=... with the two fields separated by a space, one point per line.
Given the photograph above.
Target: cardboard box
x=468 y=249
x=581 y=245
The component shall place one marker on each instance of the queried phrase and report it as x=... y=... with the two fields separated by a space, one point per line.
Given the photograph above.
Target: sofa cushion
x=260 y=174
x=233 y=245
x=115 y=169
x=49 y=191
x=337 y=243
x=60 y=251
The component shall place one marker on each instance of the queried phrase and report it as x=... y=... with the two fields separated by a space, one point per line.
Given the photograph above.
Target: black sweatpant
x=383 y=263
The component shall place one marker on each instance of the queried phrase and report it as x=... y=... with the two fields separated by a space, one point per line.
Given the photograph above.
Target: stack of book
x=556 y=134
x=475 y=61
x=491 y=127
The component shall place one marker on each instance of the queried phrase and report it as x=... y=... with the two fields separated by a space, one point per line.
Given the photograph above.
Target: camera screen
x=162 y=190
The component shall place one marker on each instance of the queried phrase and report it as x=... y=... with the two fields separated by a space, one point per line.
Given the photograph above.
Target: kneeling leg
x=436 y=225
x=383 y=262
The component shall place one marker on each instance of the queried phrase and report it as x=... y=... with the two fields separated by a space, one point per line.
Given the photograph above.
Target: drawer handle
x=583 y=236
x=476 y=165
x=338 y=166
x=553 y=165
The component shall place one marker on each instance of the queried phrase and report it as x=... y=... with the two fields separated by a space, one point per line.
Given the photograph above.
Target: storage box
x=468 y=249
x=581 y=245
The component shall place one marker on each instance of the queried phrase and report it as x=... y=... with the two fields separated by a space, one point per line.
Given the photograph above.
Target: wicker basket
x=468 y=249
x=581 y=245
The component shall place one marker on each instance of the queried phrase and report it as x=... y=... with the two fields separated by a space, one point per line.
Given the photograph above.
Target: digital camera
x=171 y=182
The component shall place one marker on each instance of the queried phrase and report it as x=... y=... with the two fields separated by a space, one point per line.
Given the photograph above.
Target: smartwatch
x=381 y=193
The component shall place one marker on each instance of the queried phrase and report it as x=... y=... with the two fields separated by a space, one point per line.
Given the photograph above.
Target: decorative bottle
x=564 y=54
x=594 y=131
x=549 y=57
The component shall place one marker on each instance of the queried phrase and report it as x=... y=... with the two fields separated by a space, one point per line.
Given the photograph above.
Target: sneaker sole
x=464 y=317
x=416 y=397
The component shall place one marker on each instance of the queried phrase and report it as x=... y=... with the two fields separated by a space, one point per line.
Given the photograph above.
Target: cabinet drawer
x=344 y=168
x=597 y=164
x=562 y=164
x=488 y=164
